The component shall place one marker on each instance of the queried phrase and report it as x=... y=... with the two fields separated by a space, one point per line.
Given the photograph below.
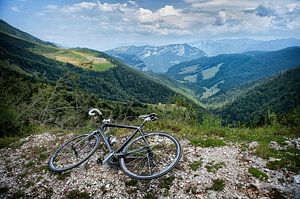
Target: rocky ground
x=219 y=172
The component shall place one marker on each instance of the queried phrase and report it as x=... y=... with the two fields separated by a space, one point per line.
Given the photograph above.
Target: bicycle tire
x=51 y=162
x=124 y=166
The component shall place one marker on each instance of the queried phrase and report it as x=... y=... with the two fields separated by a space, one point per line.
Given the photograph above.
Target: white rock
x=253 y=145
x=297 y=179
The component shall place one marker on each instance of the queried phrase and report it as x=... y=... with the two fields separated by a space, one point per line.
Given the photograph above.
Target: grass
x=218 y=185
x=166 y=182
x=63 y=176
x=191 y=189
x=258 y=174
x=132 y=183
x=4 y=190
x=102 y=66
x=29 y=164
x=289 y=159
x=18 y=194
x=77 y=57
x=207 y=142
x=213 y=167
x=196 y=165
x=76 y=194
x=7 y=141
x=150 y=195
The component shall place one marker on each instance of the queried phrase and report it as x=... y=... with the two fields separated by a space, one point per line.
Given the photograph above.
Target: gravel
x=24 y=169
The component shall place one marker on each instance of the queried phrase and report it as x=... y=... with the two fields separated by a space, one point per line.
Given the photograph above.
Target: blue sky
x=107 y=24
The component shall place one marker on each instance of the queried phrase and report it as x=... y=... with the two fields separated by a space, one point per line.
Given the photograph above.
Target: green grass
x=196 y=165
x=207 y=142
x=131 y=183
x=218 y=185
x=29 y=164
x=18 y=194
x=213 y=167
x=76 y=194
x=258 y=174
x=7 y=141
x=166 y=182
x=102 y=66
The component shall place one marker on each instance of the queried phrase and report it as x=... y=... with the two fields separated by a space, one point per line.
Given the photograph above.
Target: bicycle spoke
x=159 y=156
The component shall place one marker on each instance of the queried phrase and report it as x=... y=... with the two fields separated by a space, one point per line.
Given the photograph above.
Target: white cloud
x=197 y=17
x=221 y=18
x=15 y=8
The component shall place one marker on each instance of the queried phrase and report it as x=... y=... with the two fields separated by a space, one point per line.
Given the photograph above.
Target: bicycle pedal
x=107 y=157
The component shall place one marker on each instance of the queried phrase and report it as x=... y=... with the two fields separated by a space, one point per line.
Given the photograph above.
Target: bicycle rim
x=145 y=163
x=74 y=152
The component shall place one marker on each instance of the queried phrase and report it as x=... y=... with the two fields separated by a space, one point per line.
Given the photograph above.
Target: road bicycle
x=143 y=155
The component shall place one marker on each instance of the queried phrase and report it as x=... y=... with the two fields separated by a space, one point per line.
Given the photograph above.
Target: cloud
x=221 y=18
x=15 y=9
x=262 y=11
x=196 y=18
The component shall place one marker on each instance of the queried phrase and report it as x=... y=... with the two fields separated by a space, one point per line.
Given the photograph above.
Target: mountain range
x=211 y=76
x=156 y=59
x=247 y=82
x=92 y=71
x=278 y=94
x=230 y=46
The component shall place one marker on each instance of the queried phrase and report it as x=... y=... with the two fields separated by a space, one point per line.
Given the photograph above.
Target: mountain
x=6 y=28
x=278 y=94
x=212 y=76
x=96 y=72
x=156 y=59
x=231 y=46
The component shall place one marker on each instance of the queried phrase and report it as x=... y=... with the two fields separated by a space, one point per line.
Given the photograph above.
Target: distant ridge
x=209 y=77
x=157 y=59
x=278 y=94
x=231 y=46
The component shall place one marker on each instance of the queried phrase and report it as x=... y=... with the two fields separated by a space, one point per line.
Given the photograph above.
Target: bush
x=8 y=121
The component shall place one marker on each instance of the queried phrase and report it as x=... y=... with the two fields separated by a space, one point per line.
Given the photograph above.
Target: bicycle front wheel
x=150 y=156
x=74 y=152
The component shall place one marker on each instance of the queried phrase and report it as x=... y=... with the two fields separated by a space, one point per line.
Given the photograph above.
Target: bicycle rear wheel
x=145 y=163
x=74 y=152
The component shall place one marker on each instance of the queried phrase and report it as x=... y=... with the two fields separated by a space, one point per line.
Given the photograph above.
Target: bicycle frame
x=118 y=152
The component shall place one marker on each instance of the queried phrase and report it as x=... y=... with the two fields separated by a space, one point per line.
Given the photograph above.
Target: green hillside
x=279 y=95
x=210 y=77
x=117 y=83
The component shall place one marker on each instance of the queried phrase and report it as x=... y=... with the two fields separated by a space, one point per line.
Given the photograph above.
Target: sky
x=104 y=25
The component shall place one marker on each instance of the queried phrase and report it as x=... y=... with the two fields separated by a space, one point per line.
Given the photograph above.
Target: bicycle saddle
x=152 y=116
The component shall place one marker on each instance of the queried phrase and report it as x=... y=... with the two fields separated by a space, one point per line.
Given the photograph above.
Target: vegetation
x=258 y=174
x=213 y=167
x=233 y=69
x=218 y=185
x=118 y=83
x=266 y=101
x=39 y=93
x=196 y=165
x=76 y=194
x=167 y=182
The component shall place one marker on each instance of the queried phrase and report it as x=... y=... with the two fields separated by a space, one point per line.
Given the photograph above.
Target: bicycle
x=146 y=156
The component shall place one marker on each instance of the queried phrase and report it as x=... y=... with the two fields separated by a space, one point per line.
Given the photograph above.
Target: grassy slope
x=117 y=83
